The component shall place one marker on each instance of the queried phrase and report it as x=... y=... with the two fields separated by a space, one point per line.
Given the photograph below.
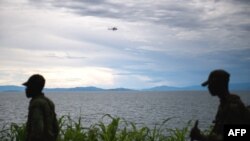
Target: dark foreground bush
x=116 y=129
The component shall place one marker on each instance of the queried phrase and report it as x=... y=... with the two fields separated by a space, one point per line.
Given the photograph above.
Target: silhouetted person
x=42 y=123
x=230 y=111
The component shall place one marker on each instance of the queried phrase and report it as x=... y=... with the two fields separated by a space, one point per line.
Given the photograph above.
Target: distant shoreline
x=232 y=87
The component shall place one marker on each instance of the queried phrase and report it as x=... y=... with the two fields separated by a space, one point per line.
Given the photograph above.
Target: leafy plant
x=117 y=129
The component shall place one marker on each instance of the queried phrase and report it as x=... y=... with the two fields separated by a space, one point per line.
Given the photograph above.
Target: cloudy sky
x=158 y=42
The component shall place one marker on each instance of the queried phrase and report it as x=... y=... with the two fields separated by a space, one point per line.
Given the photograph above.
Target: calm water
x=148 y=108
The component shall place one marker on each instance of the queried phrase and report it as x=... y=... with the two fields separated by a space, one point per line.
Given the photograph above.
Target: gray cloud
x=241 y=1
x=245 y=27
x=169 y=13
x=234 y=1
x=190 y=15
x=64 y=56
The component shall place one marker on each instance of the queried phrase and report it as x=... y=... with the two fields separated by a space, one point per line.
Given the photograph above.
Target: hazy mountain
x=8 y=88
x=162 y=88
x=239 y=86
x=236 y=86
x=11 y=88
x=120 y=89
x=75 y=89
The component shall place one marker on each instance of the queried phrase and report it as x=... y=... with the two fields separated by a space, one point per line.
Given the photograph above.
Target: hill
x=7 y=88
x=235 y=86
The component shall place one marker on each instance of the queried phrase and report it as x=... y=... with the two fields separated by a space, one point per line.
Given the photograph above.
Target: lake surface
x=147 y=108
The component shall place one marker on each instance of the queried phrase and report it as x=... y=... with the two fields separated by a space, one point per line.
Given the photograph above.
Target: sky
x=158 y=42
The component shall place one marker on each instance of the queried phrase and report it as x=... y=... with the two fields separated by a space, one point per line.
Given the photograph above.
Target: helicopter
x=113 y=28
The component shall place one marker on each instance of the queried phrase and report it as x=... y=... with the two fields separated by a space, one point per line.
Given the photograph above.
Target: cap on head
x=35 y=80
x=217 y=76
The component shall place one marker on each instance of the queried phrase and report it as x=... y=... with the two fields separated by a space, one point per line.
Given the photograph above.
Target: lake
x=143 y=108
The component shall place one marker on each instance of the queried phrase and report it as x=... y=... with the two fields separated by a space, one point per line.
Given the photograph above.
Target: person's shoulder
x=234 y=96
x=234 y=101
x=48 y=100
x=38 y=102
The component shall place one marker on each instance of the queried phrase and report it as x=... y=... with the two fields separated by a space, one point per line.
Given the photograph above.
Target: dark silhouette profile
x=42 y=123
x=230 y=111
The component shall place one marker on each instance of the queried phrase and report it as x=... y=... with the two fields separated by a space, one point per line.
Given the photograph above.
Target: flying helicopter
x=113 y=28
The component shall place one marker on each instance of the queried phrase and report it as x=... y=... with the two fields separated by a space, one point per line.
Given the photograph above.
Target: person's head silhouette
x=35 y=85
x=217 y=82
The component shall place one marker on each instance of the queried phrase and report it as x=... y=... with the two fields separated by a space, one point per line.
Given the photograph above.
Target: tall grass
x=13 y=132
x=117 y=129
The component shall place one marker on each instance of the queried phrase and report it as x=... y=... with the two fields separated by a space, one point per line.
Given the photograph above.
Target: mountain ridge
x=234 y=86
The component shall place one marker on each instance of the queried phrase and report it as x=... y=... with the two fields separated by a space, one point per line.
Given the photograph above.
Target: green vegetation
x=117 y=129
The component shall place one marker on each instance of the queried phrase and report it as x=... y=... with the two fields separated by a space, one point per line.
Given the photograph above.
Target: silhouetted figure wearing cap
x=230 y=111
x=42 y=123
